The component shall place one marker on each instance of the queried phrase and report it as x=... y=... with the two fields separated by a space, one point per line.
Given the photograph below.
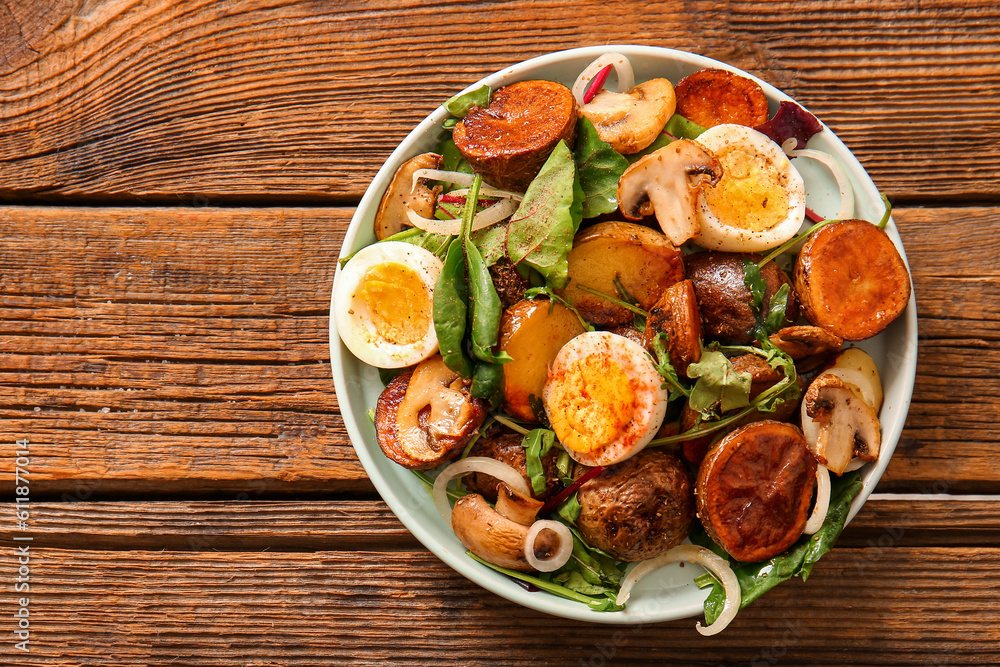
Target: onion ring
x=461 y=178
x=483 y=464
x=843 y=183
x=818 y=515
x=562 y=554
x=708 y=560
x=623 y=68
x=488 y=217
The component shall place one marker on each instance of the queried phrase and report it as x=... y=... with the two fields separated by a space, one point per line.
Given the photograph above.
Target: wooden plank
x=281 y=101
x=185 y=351
x=363 y=608
x=885 y=521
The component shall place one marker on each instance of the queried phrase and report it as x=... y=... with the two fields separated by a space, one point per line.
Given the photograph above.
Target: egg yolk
x=398 y=301
x=751 y=193
x=591 y=404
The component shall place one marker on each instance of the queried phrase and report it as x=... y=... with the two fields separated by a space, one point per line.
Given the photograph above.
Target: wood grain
x=287 y=101
x=368 y=608
x=886 y=521
x=185 y=351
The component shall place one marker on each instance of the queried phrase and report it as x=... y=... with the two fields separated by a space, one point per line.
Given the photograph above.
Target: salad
x=610 y=340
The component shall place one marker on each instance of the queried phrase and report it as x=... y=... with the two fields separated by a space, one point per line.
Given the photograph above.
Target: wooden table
x=175 y=181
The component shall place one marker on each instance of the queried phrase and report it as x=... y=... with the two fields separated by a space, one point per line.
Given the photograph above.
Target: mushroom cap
x=404 y=194
x=666 y=182
x=631 y=121
x=838 y=423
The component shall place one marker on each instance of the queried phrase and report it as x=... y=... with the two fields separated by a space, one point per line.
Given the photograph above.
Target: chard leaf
x=798 y=560
x=791 y=120
x=718 y=384
x=492 y=242
x=536 y=445
x=461 y=105
x=540 y=233
x=682 y=128
x=599 y=167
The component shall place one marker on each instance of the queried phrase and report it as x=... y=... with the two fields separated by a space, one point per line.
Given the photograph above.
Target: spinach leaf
x=536 y=445
x=718 y=384
x=451 y=158
x=461 y=105
x=682 y=128
x=798 y=560
x=451 y=294
x=540 y=233
x=488 y=383
x=599 y=167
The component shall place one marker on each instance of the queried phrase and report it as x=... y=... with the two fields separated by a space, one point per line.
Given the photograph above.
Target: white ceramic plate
x=670 y=593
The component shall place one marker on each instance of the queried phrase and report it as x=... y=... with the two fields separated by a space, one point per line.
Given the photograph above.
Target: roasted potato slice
x=531 y=332
x=509 y=141
x=755 y=489
x=676 y=314
x=643 y=261
x=712 y=97
x=851 y=279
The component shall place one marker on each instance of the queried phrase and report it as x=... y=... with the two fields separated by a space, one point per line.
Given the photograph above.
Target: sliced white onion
x=818 y=515
x=562 y=554
x=843 y=183
x=483 y=464
x=623 y=68
x=502 y=210
x=855 y=463
x=708 y=560
x=461 y=178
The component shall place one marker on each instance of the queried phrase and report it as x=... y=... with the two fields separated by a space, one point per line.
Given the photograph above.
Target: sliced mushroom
x=424 y=417
x=667 y=182
x=809 y=346
x=631 y=121
x=403 y=195
x=497 y=538
x=838 y=424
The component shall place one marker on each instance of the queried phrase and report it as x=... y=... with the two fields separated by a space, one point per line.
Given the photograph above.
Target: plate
x=670 y=593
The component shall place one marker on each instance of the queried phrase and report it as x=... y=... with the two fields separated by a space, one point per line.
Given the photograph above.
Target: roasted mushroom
x=676 y=315
x=505 y=446
x=631 y=121
x=809 y=346
x=841 y=424
x=425 y=416
x=666 y=182
x=639 y=508
x=404 y=194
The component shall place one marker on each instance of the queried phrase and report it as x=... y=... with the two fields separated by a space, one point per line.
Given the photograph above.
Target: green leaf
x=451 y=158
x=658 y=143
x=718 y=384
x=570 y=509
x=450 y=311
x=488 y=383
x=775 y=317
x=682 y=128
x=492 y=242
x=540 y=233
x=536 y=445
x=461 y=105
x=666 y=369
x=599 y=167
x=842 y=493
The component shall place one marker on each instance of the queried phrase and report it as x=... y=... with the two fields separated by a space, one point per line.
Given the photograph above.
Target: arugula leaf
x=798 y=560
x=718 y=384
x=775 y=317
x=666 y=369
x=599 y=167
x=540 y=233
x=682 y=128
x=536 y=445
x=570 y=509
x=461 y=105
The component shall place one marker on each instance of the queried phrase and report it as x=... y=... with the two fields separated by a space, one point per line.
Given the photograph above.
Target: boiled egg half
x=383 y=304
x=604 y=398
x=760 y=201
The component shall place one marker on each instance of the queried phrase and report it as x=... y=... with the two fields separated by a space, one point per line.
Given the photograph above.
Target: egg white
x=352 y=316
x=716 y=234
x=650 y=397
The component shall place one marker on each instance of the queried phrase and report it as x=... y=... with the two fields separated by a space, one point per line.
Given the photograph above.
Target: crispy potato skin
x=723 y=298
x=754 y=490
x=851 y=279
x=712 y=97
x=643 y=260
x=509 y=141
x=639 y=508
x=676 y=314
x=532 y=331
x=387 y=431
x=505 y=446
